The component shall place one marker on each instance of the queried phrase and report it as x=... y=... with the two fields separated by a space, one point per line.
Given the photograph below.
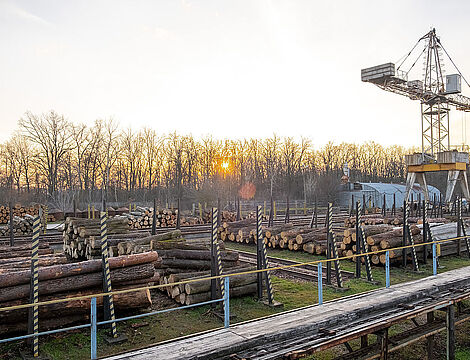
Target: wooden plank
x=298 y=322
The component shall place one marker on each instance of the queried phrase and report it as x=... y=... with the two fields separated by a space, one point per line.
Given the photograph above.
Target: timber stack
x=182 y=260
x=199 y=291
x=283 y=236
x=21 y=211
x=21 y=226
x=142 y=217
x=82 y=236
x=58 y=279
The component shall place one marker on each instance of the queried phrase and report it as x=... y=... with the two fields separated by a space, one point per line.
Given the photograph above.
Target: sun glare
x=225 y=165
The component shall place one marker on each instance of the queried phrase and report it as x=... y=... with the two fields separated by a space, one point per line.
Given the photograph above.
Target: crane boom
x=437 y=94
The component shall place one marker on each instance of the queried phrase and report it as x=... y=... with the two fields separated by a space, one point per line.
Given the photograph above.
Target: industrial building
x=374 y=194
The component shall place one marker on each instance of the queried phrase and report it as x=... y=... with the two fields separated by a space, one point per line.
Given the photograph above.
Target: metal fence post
x=358 y=242
x=93 y=329
x=320 y=285
x=328 y=242
x=46 y=213
x=434 y=259
x=154 y=217
x=227 y=302
x=178 y=216
x=387 y=269
x=425 y=231
x=12 y=235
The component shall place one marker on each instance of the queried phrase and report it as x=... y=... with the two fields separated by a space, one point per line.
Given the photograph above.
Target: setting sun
x=225 y=165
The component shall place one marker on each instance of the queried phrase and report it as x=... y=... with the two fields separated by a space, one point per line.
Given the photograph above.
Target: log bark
x=234 y=292
x=78 y=282
x=122 y=302
x=196 y=254
x=193 y=264
x=397 y=232
x=84 y=267
x=205 y=286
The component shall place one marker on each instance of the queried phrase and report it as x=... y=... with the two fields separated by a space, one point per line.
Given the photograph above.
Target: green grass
x=293 y=294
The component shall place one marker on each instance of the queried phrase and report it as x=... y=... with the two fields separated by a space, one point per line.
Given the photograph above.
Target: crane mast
x=437 y=94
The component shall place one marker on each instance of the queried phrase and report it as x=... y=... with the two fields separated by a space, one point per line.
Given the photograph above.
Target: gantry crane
x=437 y=94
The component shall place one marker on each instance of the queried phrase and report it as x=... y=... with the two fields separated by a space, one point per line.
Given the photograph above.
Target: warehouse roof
x=385 y=188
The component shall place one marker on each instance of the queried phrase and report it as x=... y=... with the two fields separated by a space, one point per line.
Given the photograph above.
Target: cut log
x=84 y=267
x=205 y=286
x=234 y=292
x=78 y=282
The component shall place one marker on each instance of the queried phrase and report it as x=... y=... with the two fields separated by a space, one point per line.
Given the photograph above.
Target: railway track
x=54 y=235
x=303 y=272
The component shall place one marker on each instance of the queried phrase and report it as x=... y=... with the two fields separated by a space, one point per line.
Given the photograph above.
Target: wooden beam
x=436 y=167
x=450 y=325
x=430 y=339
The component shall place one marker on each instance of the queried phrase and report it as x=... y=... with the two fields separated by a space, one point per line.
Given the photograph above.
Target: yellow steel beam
x=437 y=167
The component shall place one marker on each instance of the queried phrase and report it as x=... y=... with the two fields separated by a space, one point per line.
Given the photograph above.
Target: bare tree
x=51 y=133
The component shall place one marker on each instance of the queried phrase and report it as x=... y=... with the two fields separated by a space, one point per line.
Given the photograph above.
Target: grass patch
x=293 y=294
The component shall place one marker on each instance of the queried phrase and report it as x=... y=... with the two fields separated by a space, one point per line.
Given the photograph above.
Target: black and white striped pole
x=108 y=299
x=263 y=257
x=328 y=244
x=334 y=249
x=361 y=241
x=358 y=241
x=216 y=260
x=34 y=311
x=425 y=231
x=409 y=238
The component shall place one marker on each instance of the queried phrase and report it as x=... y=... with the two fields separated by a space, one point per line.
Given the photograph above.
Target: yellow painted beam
x=437 y=167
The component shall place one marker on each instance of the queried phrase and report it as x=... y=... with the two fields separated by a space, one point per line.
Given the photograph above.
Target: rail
x=94 y=323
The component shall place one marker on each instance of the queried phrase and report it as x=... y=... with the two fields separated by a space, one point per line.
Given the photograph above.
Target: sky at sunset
x=241 y=68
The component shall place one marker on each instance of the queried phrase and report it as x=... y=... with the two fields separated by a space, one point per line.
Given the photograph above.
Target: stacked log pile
x=195 y=292
x=142 y=217
x=181 y=261
x=21 y=226
x=81 y=235
x=387 y=233
x=18 y=210
x=58 y=279
x=284 y=236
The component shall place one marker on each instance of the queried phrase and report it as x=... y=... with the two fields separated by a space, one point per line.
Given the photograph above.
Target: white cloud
x=25 y=15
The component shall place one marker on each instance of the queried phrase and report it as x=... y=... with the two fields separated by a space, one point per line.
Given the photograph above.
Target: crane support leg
x=421 y=177
x=452 y=177
x=464 y=184
x=410 y=181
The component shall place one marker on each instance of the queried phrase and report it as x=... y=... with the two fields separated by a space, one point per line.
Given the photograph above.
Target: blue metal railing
x=93 y=325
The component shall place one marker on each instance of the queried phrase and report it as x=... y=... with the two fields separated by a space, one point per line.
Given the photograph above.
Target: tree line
x=49 y=156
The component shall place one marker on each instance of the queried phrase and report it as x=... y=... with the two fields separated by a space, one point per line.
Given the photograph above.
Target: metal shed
x=374 y=193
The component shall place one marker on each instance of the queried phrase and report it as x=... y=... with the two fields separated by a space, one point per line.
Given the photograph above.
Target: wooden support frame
x=450 y=327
